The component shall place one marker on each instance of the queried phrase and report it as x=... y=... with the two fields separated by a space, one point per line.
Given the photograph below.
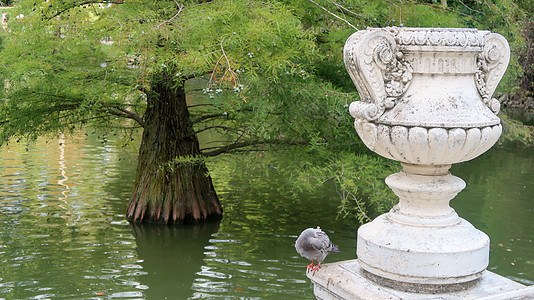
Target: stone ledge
x=345 y=280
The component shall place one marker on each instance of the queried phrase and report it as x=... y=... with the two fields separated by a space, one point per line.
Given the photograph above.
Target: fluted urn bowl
x=427 y=145
x=426 y=93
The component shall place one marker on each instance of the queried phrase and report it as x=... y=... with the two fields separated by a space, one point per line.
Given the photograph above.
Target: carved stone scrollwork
x=378 y=70
x=492 y=63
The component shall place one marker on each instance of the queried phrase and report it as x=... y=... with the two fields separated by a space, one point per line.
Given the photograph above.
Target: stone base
x=423 y=255
x=347 y=280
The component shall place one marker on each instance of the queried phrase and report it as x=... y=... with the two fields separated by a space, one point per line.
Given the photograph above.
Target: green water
x=63 y=233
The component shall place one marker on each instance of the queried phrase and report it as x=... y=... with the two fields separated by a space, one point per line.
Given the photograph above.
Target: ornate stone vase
x=426 y=101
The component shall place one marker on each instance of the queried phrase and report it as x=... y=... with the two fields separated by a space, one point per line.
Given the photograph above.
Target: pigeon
x=314 y=245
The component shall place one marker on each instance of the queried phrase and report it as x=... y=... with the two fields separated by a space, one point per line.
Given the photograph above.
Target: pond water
x=63 y=232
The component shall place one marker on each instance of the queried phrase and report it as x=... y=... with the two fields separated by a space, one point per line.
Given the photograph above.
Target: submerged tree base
x=172 y=184
x=185 y=196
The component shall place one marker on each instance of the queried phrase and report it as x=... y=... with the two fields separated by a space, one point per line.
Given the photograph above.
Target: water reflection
x=63 y=232
x=253 y=255
x=498 y=201
x=63 y=167
x=171 y=256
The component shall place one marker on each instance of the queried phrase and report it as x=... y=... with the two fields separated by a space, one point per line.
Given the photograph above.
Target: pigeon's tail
x=334 y=249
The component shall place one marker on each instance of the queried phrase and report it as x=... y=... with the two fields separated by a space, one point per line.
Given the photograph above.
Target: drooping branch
x=180 y=8
x=202 y=104
x=471 y=9
x=230 y=147
x=228 y=74
x=214 y=127
x=121 y=112
x=72 y=102
x=341 y=7
x=206 y=117
x=345 y=193
x=237 y=145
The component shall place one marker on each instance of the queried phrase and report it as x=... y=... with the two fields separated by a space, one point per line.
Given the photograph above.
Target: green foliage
x=526 y=60
x=273 y=71
x=359 y=181
x=423 y=16
x=57 y=76
x=297 y=108
x=506 y=17
x=101 y=60
x=516 y=131
x=171 y=166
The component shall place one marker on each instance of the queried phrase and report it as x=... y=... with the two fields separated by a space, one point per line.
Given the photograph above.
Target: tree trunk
x=172 y=184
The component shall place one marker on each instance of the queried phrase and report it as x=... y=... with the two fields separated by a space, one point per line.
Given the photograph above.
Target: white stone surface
x=426 y=101
x=424 y=200
x=423 y=255
x=345 y=280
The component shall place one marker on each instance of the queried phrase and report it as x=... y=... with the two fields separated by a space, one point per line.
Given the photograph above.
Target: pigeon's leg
x=314 y=269
x=310 y=266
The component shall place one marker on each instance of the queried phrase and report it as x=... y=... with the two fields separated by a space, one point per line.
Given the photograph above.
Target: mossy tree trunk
x=172 y=184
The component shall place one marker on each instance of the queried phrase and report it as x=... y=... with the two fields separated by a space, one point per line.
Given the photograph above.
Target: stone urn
x=426 y=101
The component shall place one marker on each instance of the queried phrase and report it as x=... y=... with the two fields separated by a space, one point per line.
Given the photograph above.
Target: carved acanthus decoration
x=378 y=70
x=492 y=63
x=396 y=78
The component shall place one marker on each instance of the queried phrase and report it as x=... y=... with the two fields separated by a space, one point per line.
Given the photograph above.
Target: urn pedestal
x=426 y=101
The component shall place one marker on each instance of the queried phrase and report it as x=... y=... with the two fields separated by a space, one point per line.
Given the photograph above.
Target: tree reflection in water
x=171 y=256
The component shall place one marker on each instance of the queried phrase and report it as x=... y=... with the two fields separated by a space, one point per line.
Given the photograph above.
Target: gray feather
x=315 y=245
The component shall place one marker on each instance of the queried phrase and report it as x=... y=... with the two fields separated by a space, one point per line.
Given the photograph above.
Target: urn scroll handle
x=492 y=64
x=378 y=71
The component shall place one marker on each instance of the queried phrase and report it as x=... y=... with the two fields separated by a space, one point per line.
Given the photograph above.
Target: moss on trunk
x=172 y=184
